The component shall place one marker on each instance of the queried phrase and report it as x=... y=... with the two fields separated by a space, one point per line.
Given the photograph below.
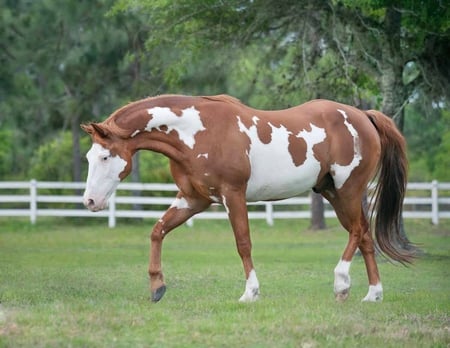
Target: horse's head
x=109 y=163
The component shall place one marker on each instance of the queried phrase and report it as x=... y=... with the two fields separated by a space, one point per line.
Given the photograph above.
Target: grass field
x=79 y=284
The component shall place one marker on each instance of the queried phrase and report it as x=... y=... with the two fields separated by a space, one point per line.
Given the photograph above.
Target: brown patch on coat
x=264 y=131
x=297 y=149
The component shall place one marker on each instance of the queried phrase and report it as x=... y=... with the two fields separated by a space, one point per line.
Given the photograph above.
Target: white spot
x=342 y=173
x=215 y=199
x=187 y=125
x=375 y=293
x=251 y=292
x=274 y=174
x=205 y=155
x=180 y=203
x=136 y=132
x=207 y=174
x=342 y=276
x=224 y=202
x=255 y=120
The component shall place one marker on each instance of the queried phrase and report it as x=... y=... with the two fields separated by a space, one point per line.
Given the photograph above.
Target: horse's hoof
x=342 y=296
x=158 y=293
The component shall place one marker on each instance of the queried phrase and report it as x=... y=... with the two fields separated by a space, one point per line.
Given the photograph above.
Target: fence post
x=112 y=211
x=434 y=202
x=269 y=213
x=33 y=201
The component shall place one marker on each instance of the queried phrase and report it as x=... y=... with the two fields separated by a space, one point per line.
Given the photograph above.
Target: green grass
x=68 y=284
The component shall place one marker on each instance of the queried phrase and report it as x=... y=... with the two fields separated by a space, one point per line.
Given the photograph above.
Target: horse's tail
x=390 y=190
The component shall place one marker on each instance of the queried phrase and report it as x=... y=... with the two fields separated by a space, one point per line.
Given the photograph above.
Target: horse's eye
x=105 y=158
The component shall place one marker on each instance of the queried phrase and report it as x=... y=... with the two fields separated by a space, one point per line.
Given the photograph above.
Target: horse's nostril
x=90 y=202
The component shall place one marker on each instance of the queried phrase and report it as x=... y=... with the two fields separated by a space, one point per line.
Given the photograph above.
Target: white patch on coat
x=274 y=174
x=103 y=176
x=205 y=155
x=214 y=199
x=187 y=125
x=180 y=203
x=342 y=173
x=251 y=292
x=342 y=276
x=136 y=132
x=375 y=293
x=224 y=202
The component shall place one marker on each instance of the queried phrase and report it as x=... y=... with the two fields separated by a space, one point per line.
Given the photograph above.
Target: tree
x=356 y=52
x=66 y=65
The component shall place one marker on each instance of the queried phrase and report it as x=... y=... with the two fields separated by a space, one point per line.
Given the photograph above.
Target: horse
x=222 y=151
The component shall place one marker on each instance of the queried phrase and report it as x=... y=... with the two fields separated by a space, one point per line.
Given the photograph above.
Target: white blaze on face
x=274 y=174
x=187 y=125
x=342 y=173
x=103 y=176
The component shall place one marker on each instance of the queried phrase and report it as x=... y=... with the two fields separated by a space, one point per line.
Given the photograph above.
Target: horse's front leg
x=179 y=212
x=236 y=207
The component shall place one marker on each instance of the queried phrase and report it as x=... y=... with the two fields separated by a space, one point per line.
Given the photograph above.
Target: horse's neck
x=168 y=133
x=158 y=141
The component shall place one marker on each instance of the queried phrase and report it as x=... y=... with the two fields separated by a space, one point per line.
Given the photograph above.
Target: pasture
x=72 y=283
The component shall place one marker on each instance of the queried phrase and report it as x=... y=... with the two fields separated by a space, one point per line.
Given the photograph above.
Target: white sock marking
x=251 y=292
x=342 y=276
x=375 y=293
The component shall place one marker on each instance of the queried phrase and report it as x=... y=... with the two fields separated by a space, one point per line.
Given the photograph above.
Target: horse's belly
x=276 y=172
x=271 y=182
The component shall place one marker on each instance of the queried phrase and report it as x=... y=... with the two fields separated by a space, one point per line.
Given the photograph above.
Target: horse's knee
x=366 y=244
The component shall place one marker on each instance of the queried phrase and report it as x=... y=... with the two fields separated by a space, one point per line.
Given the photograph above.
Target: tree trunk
x=317 y=212
x=392 y=87
x=76 y=151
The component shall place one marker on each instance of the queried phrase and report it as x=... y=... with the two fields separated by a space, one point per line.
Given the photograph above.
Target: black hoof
x=158 y=294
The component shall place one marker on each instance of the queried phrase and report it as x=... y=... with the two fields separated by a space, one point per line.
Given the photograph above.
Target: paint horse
x=222 y=151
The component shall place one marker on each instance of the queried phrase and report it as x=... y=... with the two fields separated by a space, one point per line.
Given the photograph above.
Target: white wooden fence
x=136 y=200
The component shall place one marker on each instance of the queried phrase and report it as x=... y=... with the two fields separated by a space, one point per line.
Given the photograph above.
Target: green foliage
x=61 y=66
x=6 y=151
x=425 y=129
x=154 y=167
x=53 y=160
x=442 y=156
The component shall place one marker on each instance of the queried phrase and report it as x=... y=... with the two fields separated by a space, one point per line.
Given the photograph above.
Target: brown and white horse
x=222 y=151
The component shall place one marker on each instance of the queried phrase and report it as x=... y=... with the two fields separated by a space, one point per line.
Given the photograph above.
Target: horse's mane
x=223 y=98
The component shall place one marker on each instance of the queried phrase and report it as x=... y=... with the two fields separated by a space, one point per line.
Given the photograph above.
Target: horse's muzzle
x=92 y=205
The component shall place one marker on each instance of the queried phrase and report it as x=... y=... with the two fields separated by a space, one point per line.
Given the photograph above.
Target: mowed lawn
x=69 y=283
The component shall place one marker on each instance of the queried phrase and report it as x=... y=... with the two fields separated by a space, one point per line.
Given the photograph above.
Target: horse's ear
x=95 y=128
x=87 y=128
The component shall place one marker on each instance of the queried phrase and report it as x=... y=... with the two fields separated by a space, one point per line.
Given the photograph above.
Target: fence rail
x=33 y=199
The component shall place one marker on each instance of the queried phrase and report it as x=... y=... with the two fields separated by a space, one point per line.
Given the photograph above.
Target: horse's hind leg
x=350 y=213
x=367 y=249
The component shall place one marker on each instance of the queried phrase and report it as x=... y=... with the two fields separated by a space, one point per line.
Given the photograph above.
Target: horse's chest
x=275 y=170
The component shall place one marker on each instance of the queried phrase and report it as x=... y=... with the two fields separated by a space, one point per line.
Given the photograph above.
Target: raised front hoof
x=342 y=295
x=158 y=293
